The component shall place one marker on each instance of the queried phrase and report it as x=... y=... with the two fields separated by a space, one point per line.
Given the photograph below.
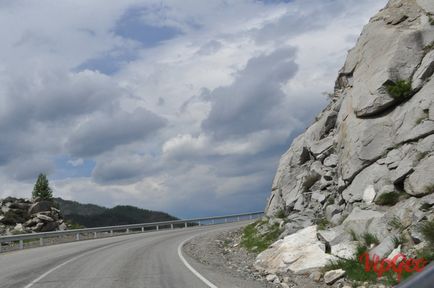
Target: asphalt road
x=148 y=260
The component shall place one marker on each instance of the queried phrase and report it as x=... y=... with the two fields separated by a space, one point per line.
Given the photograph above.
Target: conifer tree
x=42 y=188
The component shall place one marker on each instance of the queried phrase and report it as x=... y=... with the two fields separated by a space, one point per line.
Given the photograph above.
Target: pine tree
x=42 y=188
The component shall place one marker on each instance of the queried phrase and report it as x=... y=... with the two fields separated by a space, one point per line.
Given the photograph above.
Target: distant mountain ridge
x=91 y=215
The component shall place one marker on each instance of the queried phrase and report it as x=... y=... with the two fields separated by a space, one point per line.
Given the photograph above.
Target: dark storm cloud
x=247 y=105
x=104 y=132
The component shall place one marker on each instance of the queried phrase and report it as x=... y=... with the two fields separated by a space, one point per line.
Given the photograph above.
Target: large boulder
x=300 y=252
x=41 y=206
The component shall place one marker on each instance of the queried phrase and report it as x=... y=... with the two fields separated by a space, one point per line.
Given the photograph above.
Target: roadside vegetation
x=355 y=267
x=259 y=236
x=387 y=199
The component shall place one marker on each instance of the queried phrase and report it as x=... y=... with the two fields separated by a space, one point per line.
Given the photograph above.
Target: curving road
x=148 y=260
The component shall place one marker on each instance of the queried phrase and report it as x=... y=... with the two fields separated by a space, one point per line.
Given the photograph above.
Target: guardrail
x=424 y=279
x=83 y=234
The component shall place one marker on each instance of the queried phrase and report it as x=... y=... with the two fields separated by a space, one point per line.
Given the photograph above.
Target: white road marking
x=31 y=284
x=197 y=274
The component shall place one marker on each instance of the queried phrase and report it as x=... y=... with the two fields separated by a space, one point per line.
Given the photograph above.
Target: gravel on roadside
x=222 y=251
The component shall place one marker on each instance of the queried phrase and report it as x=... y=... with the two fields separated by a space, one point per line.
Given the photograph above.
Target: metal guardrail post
x=185 y=225
x=94 y=235
x=77 y=236
x=226 y=220
x=143 y=229
x=21 y=245
x=238 y=219
x=157 y=228
x=171 y=226
x=111 y=232
x=212 y=221
x=41 y=241
x=199 y=223
x=128 y=231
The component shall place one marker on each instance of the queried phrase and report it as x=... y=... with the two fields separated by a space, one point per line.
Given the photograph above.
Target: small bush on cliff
x=42 y=188
x=427 y=230
x=387 y=199
x=254 y=241
x=369 y=239
x=400 y=89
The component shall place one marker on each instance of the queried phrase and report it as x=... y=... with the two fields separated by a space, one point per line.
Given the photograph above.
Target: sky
x=178 y=106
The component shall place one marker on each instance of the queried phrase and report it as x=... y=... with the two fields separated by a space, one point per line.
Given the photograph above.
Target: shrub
x=280 y=214
x=42 y=188
x=369 y=238
x=429 y=47
x=427 y=230
x=429 y=189
x=321 y=223
x=387 y=199
x=353 y=235
x=400 y=89
x=396 y=223
x=254 y=241
x=398 y=240
x=425 y=207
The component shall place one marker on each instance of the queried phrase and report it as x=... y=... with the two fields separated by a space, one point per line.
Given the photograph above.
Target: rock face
x=19 y=216
x=369 y=156
x=300 y=252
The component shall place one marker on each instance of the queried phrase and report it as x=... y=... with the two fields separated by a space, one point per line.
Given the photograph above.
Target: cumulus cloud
x=164 y=104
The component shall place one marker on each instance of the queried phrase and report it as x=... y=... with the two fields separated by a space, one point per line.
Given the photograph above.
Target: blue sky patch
x=65 y=169
x=132 y=26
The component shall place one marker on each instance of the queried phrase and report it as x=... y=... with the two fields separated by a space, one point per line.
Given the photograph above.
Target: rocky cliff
x=18 y=215
x=367 y=161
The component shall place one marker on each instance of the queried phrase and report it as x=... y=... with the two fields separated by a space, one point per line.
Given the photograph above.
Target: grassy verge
x=253 y=241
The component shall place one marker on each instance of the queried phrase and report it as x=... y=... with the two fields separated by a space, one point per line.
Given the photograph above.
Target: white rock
x=332 y=276
x=360 y=220
x=365 y=183
x=394 y=253
x=271 y=277
x=421 y=181
x=299 y=252
x=369 y=194
x=345 y=250
x=44 y=217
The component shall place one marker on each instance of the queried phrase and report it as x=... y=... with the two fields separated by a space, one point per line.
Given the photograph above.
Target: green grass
x=400 y=89
x=281 y=214
x=396 y=224
x=421 y=155
x=356 y=272
x=429 y=47
x=354 y=269
x=330 y=200
x=429 y=189
x=398 y=240
x=425 y=207
x=321 y=223
x=427 y=230
x=353 y=235
x=254 y=242
x=387 y=199
x=369 y=239
x=431 y=20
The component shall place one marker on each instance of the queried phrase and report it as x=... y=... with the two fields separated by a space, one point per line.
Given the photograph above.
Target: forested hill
x=90 y=215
